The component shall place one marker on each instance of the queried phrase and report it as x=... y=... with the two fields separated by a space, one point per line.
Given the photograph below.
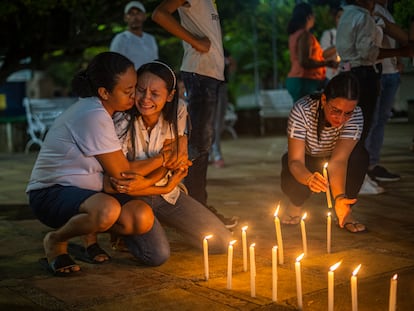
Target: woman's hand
x=317 y=183
x=175 y=154
x=343 y=209
x=131 y=182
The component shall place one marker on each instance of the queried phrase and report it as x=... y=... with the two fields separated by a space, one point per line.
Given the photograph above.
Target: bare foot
x=353 y=225
x=292 y=215
x=91 y=239
x=54 y=248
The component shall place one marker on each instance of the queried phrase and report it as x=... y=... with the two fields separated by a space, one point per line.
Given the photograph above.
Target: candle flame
x=245 y=228
x=356 y=270
x=277 y=210
x=333 y=268
x=304 y=216
x=275 y=247
x=395 y=276
x=325 y=165
x=299 y=258
x=232 y=242
x=208 y=237
x=329 y=214
x=253 y=245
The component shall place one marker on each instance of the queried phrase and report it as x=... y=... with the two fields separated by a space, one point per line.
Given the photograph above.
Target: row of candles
x=298 y=274
x=278 y=250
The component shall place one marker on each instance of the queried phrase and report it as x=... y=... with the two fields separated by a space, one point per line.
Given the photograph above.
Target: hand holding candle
x=299 y=281
x=205 y=251
x=279 y=235
x=331 y=286
x=230 y=264
x=244 y=244
x=354 y=289
x=304 y=239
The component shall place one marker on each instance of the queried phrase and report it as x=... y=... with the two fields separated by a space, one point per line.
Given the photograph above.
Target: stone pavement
x=248 y=187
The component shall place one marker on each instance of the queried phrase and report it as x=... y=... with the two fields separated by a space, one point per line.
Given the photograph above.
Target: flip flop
x=88 y=254
x=353 y=227
x=58 y=265
x=291 y=220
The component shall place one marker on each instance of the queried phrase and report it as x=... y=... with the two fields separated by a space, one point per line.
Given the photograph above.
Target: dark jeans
x=298 y=193
x=202 y=94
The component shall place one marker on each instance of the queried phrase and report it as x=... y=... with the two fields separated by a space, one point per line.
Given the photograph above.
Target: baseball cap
x=134 y=4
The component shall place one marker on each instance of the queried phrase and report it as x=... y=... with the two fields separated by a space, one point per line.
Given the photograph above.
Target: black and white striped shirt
x=303 y=124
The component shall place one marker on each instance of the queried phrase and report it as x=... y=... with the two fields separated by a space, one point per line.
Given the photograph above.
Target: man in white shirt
x=139 y=46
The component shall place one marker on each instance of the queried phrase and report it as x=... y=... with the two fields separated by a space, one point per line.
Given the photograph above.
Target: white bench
x=40 y=114
x=274 y=104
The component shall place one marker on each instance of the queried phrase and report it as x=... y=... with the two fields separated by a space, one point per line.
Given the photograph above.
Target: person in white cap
x=139 y=46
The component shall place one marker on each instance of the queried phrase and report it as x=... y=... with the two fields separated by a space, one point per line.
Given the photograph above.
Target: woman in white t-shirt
x=325 y=128
x=159 y=123
x=65 y=187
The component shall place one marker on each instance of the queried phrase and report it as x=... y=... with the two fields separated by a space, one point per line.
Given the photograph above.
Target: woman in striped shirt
x=323 y=128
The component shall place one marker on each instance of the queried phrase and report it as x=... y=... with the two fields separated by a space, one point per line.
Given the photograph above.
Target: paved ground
x=247 y=187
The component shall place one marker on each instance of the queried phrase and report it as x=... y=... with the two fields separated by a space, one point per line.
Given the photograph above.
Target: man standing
x=139 y=46
x=202 y=71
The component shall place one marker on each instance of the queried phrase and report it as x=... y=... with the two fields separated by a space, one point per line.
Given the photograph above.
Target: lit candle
x=299 y=281
x=244 y=242
x=274 y=273
x=205 y=250
x=331 y=286
x=354 y=290
x=328 y=191
x=252 y=271
x=303 y=229
x=393 y=293
x=230 y=264
x=279 y=236
x=328 y=232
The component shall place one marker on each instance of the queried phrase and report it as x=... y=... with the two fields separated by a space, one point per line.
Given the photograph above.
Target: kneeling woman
x=325 y=128
x=154 y=133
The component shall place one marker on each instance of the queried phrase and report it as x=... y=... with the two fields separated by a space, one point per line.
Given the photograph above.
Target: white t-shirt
x=201 y=19
x=140 y=50
x=150 y=145
x=67 y=155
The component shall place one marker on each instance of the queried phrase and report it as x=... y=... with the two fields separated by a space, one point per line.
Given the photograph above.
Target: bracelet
x=340 y=196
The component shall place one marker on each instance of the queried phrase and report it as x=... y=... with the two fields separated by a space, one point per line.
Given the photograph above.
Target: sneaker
x=381 y=174
x=219 y=163
x=370 y=187
x=229 y=223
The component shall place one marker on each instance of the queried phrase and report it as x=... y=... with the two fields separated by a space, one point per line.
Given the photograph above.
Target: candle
x=303 y=229
x=230 y=264
x=393 y=293
x=331 y=286
x=252 y=271
x=274 y=273
x=328 y=191
x=354 y=290
x=328 y=232
x=205 y=250
x=244 y=242
x=279 y=236
x=299 y=281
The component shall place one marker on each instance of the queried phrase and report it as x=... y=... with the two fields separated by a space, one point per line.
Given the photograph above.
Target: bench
x=40 y=115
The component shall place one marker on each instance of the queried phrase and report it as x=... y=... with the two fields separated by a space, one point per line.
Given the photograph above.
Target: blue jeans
x=202 y=94
x=389 y=87
x=189 y=218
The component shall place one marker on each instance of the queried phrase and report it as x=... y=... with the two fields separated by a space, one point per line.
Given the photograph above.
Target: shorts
x=54 y=206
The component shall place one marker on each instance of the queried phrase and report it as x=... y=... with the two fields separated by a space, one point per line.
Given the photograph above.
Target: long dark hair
x=170 y=109
x=103 y=71
x=300 y=15
x=343 y=85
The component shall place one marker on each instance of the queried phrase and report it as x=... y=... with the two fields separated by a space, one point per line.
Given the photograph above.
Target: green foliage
x=404 y=12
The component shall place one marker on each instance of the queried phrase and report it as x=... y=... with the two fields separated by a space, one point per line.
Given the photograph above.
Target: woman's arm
x=304 y=53
x=296 y=162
